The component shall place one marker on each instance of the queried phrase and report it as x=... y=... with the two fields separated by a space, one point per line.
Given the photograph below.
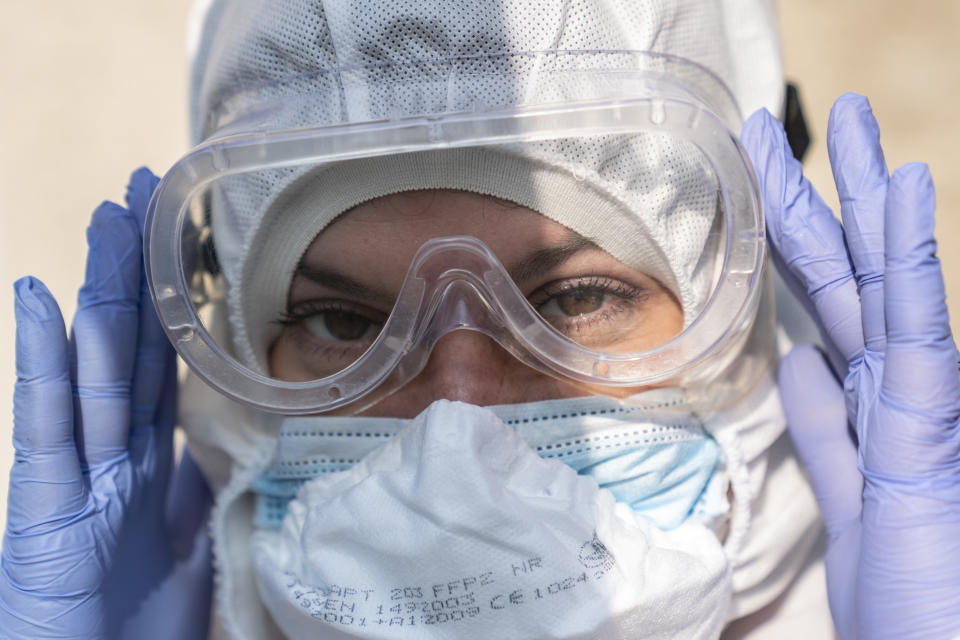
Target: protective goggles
x=602 y=225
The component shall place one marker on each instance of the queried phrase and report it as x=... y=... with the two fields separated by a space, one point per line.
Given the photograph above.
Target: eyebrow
x=530 y=266
x=543 y=260
x=343 y=283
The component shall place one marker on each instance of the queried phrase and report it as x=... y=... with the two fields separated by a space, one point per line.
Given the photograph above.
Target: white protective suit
x=776 y=579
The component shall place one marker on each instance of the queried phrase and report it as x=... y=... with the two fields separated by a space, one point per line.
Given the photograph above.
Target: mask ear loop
x=740 y=511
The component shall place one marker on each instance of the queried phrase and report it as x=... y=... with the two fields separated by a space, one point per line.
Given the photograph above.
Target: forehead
x=393 y=227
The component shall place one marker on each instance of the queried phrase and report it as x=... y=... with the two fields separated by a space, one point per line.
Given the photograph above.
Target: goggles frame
x=699 y=354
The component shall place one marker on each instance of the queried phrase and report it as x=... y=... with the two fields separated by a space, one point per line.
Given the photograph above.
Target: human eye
x=592 y=310
x=328 y=335
x=333 y=321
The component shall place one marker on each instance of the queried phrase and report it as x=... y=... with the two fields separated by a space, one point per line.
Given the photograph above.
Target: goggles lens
x=614 y=242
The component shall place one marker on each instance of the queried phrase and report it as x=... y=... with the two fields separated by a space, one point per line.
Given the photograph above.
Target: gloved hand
x=883 y=451
x=88 y=551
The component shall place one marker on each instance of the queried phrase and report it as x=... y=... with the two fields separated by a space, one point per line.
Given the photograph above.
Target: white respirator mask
x=456 y=527
x=410 y=503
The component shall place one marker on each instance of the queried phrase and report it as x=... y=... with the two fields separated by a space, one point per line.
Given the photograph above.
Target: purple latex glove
x=883 y=451
x=95 y=543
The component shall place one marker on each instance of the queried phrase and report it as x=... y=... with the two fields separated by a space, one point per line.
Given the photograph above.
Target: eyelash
x=304 y=310
x=296 y=316
x=602 y=284
x=625 y=294
x=606 y=286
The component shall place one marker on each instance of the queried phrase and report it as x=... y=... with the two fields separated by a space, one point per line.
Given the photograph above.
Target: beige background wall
x=91 y=90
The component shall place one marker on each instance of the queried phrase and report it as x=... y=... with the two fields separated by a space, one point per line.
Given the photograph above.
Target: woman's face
x=350 y=275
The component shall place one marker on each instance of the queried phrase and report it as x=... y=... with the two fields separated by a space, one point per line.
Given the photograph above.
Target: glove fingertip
x=753 y=128
x=853 y=145
x=105 y=211
x=113 y=259
x=139 y=189
x=913 y=179
x=848 y=111
x=33 y=300
x=850 y=100
x=41 y=334
x=911 y=204
x=765 y=141
x=105 y=220
x=762 y=133
x=803 y=357
x=142 y=176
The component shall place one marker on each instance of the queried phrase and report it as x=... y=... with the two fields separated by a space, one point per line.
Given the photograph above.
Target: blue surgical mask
x=652 y=456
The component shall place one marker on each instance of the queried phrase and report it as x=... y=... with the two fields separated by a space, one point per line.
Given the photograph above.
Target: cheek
x=666 y=317
x=282 y=366
x=658 y=320
x=285 y=362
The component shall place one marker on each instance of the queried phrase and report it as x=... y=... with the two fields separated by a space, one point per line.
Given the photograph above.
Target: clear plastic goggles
x=622 y=247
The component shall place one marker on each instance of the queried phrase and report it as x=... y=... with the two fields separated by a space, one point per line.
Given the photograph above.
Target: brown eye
x=578 y=302
x=342 y=325
x=590 y=310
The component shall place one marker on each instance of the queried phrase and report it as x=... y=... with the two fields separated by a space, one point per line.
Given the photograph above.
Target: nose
x=468 y=366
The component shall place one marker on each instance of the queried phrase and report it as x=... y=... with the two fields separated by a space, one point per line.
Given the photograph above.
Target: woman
x=613 y=291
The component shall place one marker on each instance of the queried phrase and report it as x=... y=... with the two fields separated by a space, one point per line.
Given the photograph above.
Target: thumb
x=188 y=506
x=817 y=419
